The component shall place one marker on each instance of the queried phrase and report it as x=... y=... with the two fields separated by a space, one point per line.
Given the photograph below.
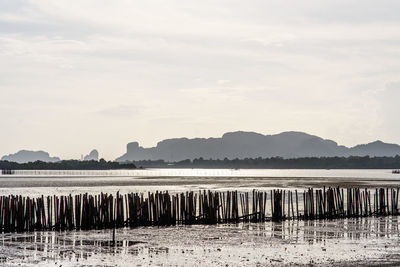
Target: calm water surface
x=372 y=241
x=65 y=182
x=364 y=241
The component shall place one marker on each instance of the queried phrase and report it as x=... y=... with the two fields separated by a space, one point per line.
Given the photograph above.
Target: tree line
x=353 y=162
x=67 y=165
x=246 y=163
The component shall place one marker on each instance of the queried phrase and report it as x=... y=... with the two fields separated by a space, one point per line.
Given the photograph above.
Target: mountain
x=377 y=148
x=252 y=145
x=24 y=156
x=93 y=155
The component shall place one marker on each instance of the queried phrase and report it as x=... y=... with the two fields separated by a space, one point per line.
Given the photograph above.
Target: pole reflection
x=79 y=246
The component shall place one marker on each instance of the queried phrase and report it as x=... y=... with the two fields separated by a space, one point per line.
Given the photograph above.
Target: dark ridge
x=243 y=145
x=280 y=163
x=24 y=156
x=67 y=165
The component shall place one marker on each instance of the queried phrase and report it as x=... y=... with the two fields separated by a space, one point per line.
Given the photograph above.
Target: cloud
x=389 y=108
x=12 y=18
x=121 y=111
x=196 y=69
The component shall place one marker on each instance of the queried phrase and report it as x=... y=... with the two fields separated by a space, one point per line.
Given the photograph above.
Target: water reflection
x=146 y=242
x=72 y=246
x=348 y=229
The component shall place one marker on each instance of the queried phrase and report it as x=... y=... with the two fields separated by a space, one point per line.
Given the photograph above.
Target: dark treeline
x=281 y=163
x=66 y=165
x=247 y=163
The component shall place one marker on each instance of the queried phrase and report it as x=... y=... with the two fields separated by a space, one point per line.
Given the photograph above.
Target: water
x=284 y=173
x=337 y=242
x=349 y=241
x=52 y=182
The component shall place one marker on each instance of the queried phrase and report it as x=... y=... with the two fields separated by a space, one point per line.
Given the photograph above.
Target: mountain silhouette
x=252 y=145
x=24 y=156
x=93 y=155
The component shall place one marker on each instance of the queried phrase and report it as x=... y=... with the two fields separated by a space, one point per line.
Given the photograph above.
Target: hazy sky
x=77 y=75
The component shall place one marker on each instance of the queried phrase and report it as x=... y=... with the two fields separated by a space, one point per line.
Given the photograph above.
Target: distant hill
x=252 y=145
x=93 y=155
x=377 y=148
x=24 y=156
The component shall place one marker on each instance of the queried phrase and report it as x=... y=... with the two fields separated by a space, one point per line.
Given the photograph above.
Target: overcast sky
x=78 y=75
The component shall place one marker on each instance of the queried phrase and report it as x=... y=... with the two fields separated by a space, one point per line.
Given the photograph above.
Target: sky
x=79 y=75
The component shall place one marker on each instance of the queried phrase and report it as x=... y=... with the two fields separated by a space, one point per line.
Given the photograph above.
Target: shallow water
x=364 y=241
x=348 y=241
x=35 y=183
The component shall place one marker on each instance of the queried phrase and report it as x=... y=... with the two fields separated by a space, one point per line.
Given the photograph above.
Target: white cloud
x=194 y=69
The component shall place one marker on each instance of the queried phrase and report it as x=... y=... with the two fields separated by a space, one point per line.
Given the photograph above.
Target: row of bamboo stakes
x=103 y=211
x=7 y=171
